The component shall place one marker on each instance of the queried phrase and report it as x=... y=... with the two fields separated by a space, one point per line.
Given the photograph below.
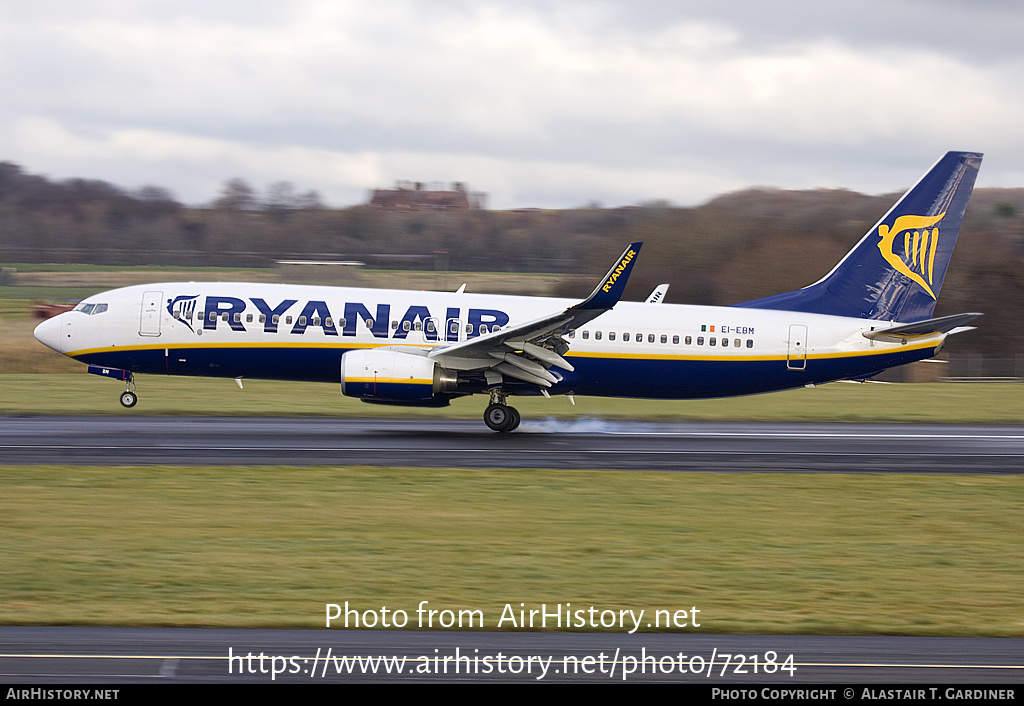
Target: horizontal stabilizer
x=931 y=327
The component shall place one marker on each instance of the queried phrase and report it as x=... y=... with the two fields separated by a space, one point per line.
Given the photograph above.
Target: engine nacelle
x=393 y=376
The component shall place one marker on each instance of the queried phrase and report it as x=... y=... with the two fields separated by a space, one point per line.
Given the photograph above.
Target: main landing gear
x=499 y=416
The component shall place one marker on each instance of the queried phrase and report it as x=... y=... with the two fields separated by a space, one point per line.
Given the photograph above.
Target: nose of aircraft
x=48 y=332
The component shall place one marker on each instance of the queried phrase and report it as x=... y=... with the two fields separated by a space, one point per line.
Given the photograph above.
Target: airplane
x=871 y=312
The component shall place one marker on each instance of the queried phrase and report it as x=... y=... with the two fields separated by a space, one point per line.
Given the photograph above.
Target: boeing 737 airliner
x=871 y=312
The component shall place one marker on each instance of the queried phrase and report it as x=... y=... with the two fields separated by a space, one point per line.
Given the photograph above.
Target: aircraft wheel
x=500 y=417
x=516 y=418
x=128 y=399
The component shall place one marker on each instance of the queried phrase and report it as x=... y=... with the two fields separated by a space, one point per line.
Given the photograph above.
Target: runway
x=552 y=443
x=196 y=656
x=62 y=655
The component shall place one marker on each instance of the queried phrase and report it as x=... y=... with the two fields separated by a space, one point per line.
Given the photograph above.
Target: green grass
x=270 y=546
x=11 y=297
x=80 y=393
x=71 y=267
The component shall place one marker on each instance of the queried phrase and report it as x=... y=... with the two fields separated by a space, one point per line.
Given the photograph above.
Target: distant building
x=412 y=196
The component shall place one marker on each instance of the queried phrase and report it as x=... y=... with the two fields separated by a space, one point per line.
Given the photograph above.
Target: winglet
x=609 y=291
x=658 y=295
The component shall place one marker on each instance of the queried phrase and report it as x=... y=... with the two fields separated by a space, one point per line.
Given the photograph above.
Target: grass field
x=808 y=553
x=827 y=554
x=269 y=546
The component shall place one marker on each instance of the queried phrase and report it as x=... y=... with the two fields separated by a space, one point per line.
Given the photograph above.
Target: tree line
x=736 y=247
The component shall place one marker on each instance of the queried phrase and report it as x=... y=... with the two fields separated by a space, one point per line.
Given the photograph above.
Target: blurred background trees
x=737 y=247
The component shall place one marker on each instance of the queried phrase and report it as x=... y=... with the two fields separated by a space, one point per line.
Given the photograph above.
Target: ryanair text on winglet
x=618 y=270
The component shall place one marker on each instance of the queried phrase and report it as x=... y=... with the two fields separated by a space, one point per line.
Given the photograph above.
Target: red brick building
x=412 y=196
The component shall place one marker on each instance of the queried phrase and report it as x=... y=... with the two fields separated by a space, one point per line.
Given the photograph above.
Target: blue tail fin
x=895 y=272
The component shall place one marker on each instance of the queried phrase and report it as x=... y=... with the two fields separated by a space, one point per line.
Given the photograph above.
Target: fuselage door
x=796 y=352
x=149 y=325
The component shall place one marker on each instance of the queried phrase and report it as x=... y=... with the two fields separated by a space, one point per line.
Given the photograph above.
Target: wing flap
x=540 y=338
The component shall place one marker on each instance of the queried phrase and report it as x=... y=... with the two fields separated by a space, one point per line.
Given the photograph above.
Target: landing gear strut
x=499 y=416
x=128 y=397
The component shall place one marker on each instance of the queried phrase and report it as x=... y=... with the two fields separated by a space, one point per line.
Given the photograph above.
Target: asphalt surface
x=165 y=655
x=587 y=443
x=195 y=655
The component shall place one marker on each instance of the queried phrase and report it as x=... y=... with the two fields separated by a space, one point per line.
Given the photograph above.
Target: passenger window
x=750 y=343
x=418 y=326
x=712 y=341
x=327 y=322
x=664 y=338
x=483 y=328
x=454 y=327
x=611 y=335
x=597 y=335
x=688 y=340
x=586 y=335
x=725 y=343
x=625 y=337
x=263 y=319
x=238 y=318
x=675 y=340
x=302 y=321
x=224 y=316
x=394 y=325
x=430 y=327
x=276 y=320
x=736 y=343
x=406 y=325
x=248 y=318
x=287 y=319
x=572 y=334
x=700 y=340
x=650 y=338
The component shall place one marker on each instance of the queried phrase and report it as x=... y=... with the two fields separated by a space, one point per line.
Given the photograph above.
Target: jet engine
x=394 y=377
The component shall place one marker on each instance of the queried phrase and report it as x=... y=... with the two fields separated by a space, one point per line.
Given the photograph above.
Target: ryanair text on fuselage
x=219 y=310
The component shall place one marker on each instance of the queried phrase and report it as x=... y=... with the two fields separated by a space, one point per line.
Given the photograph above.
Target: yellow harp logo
x=919 y=245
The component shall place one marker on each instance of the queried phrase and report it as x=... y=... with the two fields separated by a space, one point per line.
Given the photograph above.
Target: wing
x=525 y=351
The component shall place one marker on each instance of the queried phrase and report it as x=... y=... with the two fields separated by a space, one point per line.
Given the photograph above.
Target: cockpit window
x=91 y=309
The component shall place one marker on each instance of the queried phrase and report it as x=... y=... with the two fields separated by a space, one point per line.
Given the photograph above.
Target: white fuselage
x=294 y=332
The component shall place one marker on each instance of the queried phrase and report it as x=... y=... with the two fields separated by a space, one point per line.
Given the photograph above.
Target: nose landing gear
x=128 y=397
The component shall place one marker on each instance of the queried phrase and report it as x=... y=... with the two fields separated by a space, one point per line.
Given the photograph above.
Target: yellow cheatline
x=385 y=381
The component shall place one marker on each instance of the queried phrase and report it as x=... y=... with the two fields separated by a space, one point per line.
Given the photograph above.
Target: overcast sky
x=554 y=103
